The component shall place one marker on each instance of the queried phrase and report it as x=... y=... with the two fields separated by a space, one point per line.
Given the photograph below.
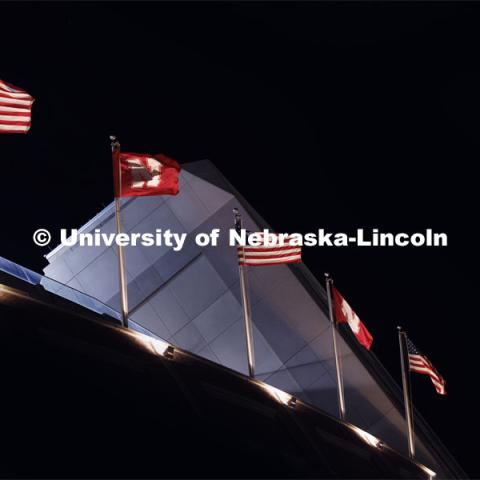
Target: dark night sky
x=323 y=115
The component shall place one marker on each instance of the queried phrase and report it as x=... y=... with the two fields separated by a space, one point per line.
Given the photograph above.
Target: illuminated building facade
x=191 y=298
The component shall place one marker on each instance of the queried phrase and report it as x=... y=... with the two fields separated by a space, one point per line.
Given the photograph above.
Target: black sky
x=333 y=115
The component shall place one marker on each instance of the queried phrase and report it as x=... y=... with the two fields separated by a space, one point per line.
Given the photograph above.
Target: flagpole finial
x=237 y=219
x=114 y=142
x=328 y=277
x=399 y=328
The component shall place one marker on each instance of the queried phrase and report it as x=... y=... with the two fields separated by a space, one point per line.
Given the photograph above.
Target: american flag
x=15 y=109
x=270 y=255
x=419 y=363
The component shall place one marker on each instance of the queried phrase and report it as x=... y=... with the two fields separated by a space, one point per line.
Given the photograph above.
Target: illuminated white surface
x=154 y=345
x=191 y=299
x=429 y=472
x=8 y=294
x=277 y=394
x=366 y=437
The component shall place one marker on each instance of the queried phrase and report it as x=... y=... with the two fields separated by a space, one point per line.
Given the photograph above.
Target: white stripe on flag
x=14 y=101
x=14 y=118
x=3 y=108
x=14 y=128
x=265 y=261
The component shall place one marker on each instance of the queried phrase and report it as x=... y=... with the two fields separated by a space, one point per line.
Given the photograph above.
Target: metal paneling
x=192 y=299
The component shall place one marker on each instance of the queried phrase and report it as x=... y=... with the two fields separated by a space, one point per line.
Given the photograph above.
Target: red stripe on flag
x=283 y=262
x=13 y=114
x=263 y=249
x=13 y=122
x=267 y=257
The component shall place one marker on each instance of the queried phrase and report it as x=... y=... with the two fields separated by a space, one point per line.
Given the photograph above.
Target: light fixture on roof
x=367 y=437
x=155 y=345
x=168 y=353
x=9 y=295
x=429 y=472
x=3 y=292
x=159 y=346
x=280 y=395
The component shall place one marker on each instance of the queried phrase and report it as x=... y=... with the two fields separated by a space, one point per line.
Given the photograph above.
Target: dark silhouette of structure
x=83 y=396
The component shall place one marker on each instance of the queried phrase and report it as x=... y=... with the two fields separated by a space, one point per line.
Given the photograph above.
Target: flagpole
x=121 y=256
x=245 y=304
x=338 y=364
x=407 y=392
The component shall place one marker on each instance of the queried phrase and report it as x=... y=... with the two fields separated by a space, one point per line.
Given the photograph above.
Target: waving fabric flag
x=143 y=174
x=266 y=255
x=345 y=314
x=419 y=363
x=15 y=109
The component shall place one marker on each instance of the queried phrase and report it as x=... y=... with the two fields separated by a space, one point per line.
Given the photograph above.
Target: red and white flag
x=345 y=314
x=15 y=109
x=144 y=174
x=270 y=255
x=419 y=363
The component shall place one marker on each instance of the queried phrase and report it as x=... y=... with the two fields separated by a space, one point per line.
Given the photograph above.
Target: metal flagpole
x=338 y=363
x=245 y=303
x=407 y=393
x=121 y=256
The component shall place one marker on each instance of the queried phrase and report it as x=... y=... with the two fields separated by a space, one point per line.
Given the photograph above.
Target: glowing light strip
x=367 y=437
x=278 y=395
x=154 y=345
x=429 y=472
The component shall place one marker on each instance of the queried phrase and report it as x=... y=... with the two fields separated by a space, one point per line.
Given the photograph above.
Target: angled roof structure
x=88 y=397
x=191 y=298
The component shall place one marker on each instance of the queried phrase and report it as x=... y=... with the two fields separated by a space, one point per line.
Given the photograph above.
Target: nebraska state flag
x=345 y=314
x=139 y=174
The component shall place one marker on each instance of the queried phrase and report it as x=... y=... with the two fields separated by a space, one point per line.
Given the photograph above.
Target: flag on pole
x=143 y=174
x=15 y=109
x=270 y=255
x=345 y=314
x=419 y=363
